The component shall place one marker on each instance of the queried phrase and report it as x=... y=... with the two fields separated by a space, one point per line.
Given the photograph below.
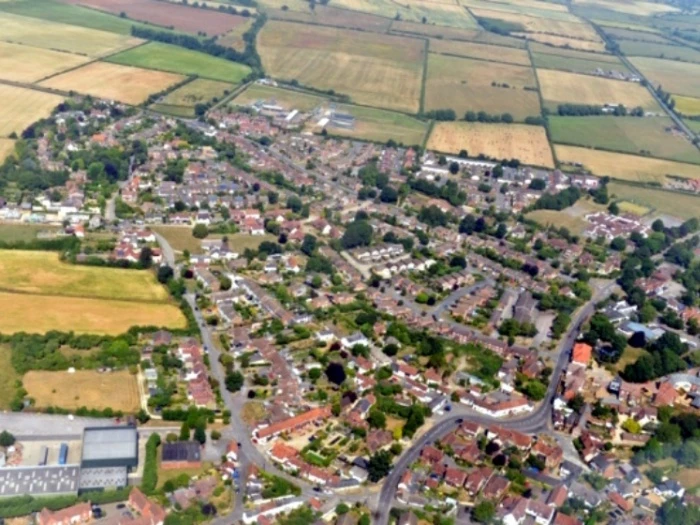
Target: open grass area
x=234 y=38
x=165 y=57
x=629 y=356
x=483 y=51
x=694 y=125
x=61 y=37
x=681 y=205
x=331 y=16
x=558 y=219
x=130 y=85
x=34 y=313
x=679 y=78
x=440 y=13
x=500 y=141
x=625 y=167
x=619 y=33
x=20 y=232
x=634 y=209
x=465 y=85
x=634 y=7
x=559 y=87
x=8 y=377
x=576 y=65
x=22 y=107
x=688 y=106
x=88 y=388
x=286 y=98
x=20 y=63
x=182 y=101
x=653 y=136
x=544 y=49
x=43 y=273
x=378 y=125
x=564 y=42
x=669 y=52
x=376 y=70
x=181 y=239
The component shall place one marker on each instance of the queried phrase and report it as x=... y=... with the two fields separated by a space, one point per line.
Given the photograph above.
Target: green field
x=679 y=205
x=653 y=136
x=378 y=125
x=575 y=65
x=173 y=59
x=8 y=377
x=15 y=232
x=287 y=98
x=670 y=52
x=627 y=34
x=183 y=100
x=694 y=125
x=679 y=78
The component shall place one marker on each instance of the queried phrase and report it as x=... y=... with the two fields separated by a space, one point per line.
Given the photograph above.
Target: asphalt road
x=536 y=421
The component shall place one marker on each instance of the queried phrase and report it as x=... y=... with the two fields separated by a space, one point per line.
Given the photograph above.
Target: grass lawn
x=286 y=98
x=557 y=219
x=8 y=376
x=88 y=388
x=378 y=125
x=629 y=356
x=168 y=474
x=252 y=412
x=675 y=204
x=634 y=209
x=181 y=239
x=164 y=57
x=12 y=233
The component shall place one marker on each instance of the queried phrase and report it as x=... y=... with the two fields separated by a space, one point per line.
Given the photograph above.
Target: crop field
x=379 y=126
x=648 y=49
x=466 y=85
x=33 y=313
x=632 y=7
x=559 y=87
x=655 y=135
x=61 y=37
x=332 y=16
x=694 y=125
x=687 y=105
x=628 y=34
x=572 y=28
x=287 y=98
x=88 y=388
x=234 y=38
x=43 y=273
x=184 y=99
x=681 y=205
x=524 y=7
x=679 y=78
x=624 y=166
x=20 y=63
x=180 y=17
x=22 y=107
x=445 y=14
x=481 y=51
x=7 y=147
x=564 y=42
x=366 y=66
x=130 y=85
x=174 y=59
x=575 y=65
x=544 y=49
x=500 y=141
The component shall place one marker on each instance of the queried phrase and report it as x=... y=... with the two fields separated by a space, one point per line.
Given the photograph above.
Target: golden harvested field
x=7 y=147
x=633 y=8
x=287 y=98
x=62 y=37
x=625 y=167
x=629 y=34
x=560 y=87
x=33 y=313
x=573 y=28
x=401 y=26
x=687 y=105
x=21 y=107
x=516 y=4
x=88 y=388
x=331 y=16
x=20 y=63
x=366 y=66
x=681 y=205
x=544 y=49
x=482 y=51
x=43 y=273
x=440 y=13
x=465 y=85
x=679 y=78
x=563 y=42
x=130 y=85
x=500 y=141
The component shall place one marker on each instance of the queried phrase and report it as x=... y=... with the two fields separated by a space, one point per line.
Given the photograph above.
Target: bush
x=150 y=468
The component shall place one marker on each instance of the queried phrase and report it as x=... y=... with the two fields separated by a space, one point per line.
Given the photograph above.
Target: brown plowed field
x=180 y=17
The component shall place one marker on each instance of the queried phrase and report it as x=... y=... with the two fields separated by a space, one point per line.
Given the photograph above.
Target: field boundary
x=542 y=110
x=424 y=77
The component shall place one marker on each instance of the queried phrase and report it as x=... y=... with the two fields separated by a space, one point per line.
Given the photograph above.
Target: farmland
x=21 y=107
x=380 y=126
x=184 y=99
x=671 y=203
x=130 y=85
x=20 y=63
x=655 y=135
x=180 y=17
x=331 y=16
x=286 y=98
x=88 y=388
x=572 y=53
x=625 y=167
x=466 y=85
x=482 y=51
x=234 y=38
x=61 y=37
x=173 y=59
x=559 y=87
x=687 y=105
x=7 y=147
x=575 y=65
x=366 y=66
x=564 y=42
x=444 y=14
x=679 y=78
x=499 y=141
x=669 y=52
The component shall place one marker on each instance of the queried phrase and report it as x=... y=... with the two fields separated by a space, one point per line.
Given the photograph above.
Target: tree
x=379 y=465
x=376 y=418
x=215 y=435
x=358 y=233
x=614 y=209
x=484 y=512
x=165 y=273
x=632 y=426
x=200 y=434
x=389 y=195
x=146 y=257
x=200 y=231
x=308 y=245
x=454 y=168
x=6 y=439
x=234 y=381
x=294 y=203
x=184 y=431
x=341 y=509
x=273 y=197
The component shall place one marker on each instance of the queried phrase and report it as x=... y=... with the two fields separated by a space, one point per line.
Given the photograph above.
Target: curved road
x=534 y=422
